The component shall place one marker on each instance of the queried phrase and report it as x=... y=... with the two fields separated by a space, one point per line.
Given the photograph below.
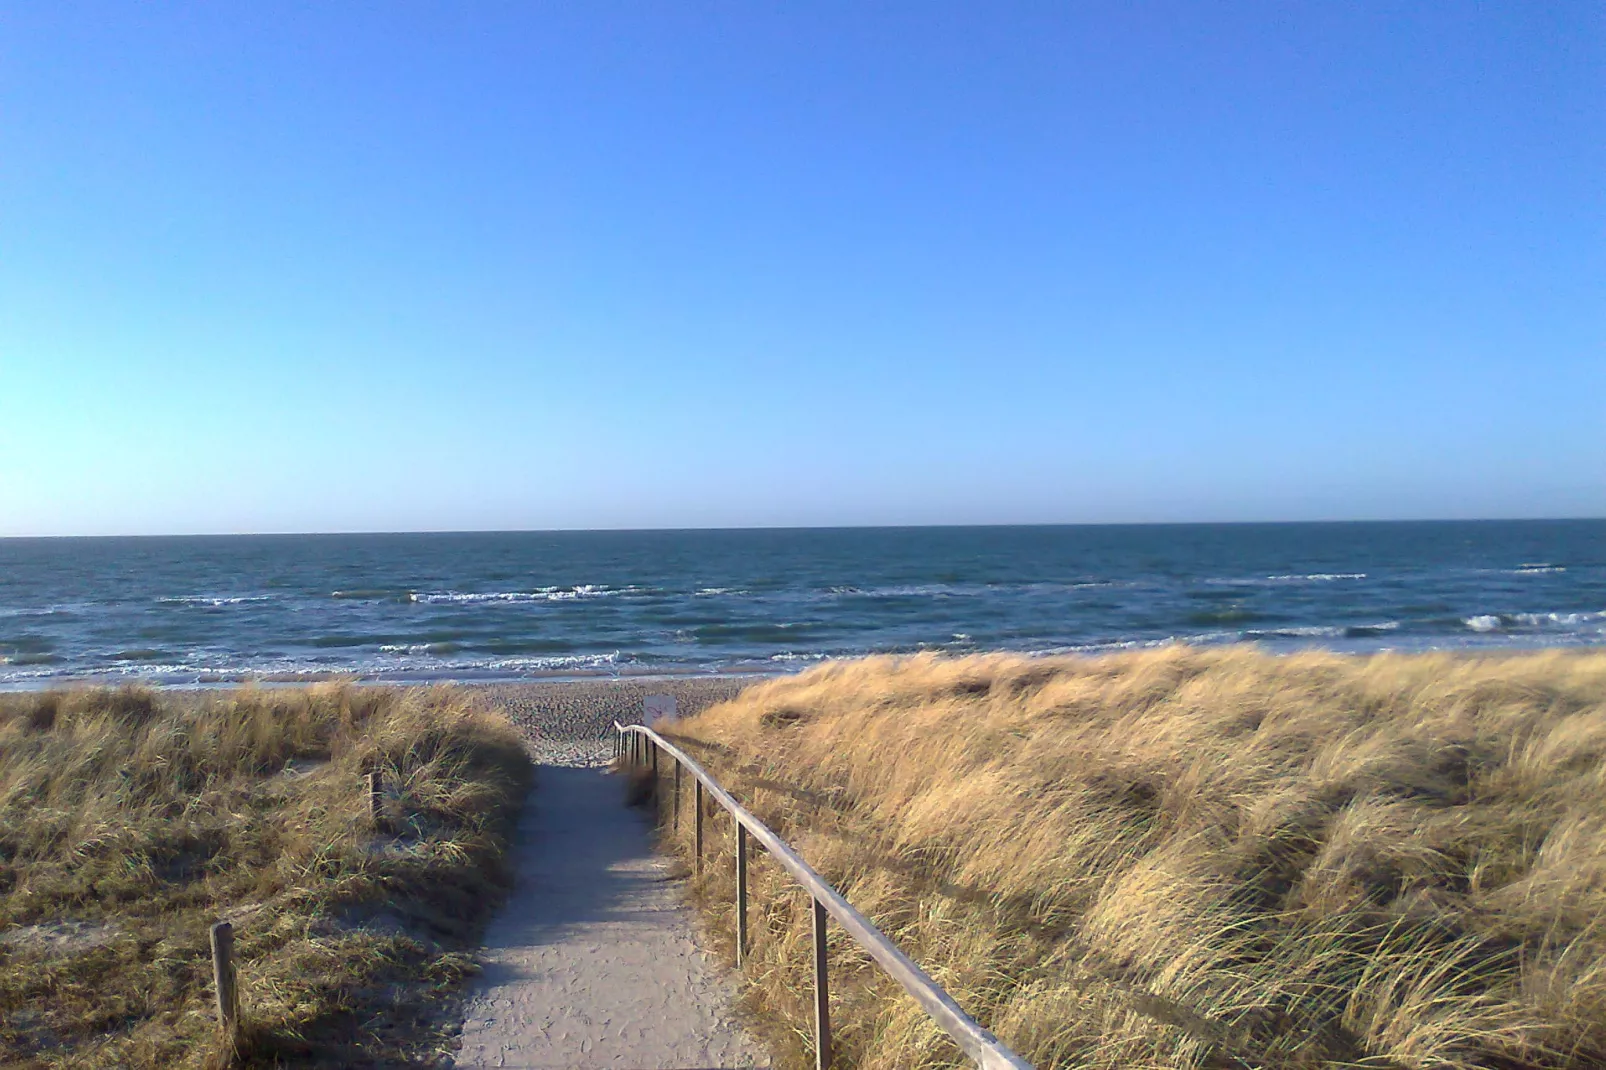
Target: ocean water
x=540 y=604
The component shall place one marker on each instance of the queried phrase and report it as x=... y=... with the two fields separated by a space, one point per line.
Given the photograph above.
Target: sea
x=207 y=610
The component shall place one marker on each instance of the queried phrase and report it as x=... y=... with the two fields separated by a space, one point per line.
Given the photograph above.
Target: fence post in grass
x=697 y=828
x=822 y=993
x=677 y=795
x=223 y=979
x=741 y=894
x=375 y=786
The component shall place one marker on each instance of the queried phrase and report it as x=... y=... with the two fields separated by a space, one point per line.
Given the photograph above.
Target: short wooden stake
x=223 y=979
x=822 y=994
x=741 y=894
x=376 y=797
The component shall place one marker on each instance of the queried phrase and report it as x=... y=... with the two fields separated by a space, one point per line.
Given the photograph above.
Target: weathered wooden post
x=224 y=980
x=677 y=795
x=657 y=800
x=822 y=994
x=375 y=785
x=741 y=894
x=697 y=828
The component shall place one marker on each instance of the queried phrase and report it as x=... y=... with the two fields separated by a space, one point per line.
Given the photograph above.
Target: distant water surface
x=537 y=604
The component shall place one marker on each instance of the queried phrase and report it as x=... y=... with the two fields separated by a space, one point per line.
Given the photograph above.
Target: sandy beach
x=569 y=722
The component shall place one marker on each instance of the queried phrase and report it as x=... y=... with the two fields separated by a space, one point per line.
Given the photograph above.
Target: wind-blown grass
x=1189 y=858
x=130 y=821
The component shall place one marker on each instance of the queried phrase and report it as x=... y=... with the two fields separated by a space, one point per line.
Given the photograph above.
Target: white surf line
x=592 y=963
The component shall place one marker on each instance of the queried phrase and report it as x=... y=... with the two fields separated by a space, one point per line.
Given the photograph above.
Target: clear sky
x=540 y=265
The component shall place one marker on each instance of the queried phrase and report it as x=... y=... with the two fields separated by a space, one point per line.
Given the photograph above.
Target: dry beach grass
x=1189 y=858
x=130 y=821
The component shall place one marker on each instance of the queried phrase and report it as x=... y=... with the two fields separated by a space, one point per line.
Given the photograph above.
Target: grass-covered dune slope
x=1189 y=858
x=130 y=821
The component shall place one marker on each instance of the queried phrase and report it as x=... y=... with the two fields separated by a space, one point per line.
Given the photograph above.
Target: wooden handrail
x=984 y=1049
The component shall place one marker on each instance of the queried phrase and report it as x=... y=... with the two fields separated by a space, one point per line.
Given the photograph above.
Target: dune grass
x=1186 y=858
x=130 y=821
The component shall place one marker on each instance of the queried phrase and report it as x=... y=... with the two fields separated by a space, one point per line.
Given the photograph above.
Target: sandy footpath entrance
x=592 y=963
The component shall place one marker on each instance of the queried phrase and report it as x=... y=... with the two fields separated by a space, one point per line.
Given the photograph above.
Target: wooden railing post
x=741 y=894
x=822 y=993
x=224 y=981
x=982 y=1047
x=697 y=828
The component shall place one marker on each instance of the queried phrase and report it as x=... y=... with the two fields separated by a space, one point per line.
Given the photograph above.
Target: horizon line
x=813 y=527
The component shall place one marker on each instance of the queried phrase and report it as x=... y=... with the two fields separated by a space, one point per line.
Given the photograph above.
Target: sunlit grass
x=1189 y=858
x=130 y=821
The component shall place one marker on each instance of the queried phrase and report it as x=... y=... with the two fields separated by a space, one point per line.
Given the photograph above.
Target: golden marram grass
x=131 y=820
x=1186 y=858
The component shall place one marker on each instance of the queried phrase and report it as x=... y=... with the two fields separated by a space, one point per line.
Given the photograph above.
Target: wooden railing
x=638 y=747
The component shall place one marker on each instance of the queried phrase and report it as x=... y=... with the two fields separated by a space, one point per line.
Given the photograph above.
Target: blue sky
x=459 y=266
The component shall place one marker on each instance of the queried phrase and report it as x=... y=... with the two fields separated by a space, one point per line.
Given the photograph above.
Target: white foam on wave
x=1566 y=621
x=579 y=592
x=42 y=611
x=548 y=663
x=1292 y=577
x=1536 y=570
x=914 y=590
x=710 y=592
x=420 y=648
x=213 y=601
x=1559 y=620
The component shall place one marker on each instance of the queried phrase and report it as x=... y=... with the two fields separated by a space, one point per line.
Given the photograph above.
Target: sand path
x=592 y=962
